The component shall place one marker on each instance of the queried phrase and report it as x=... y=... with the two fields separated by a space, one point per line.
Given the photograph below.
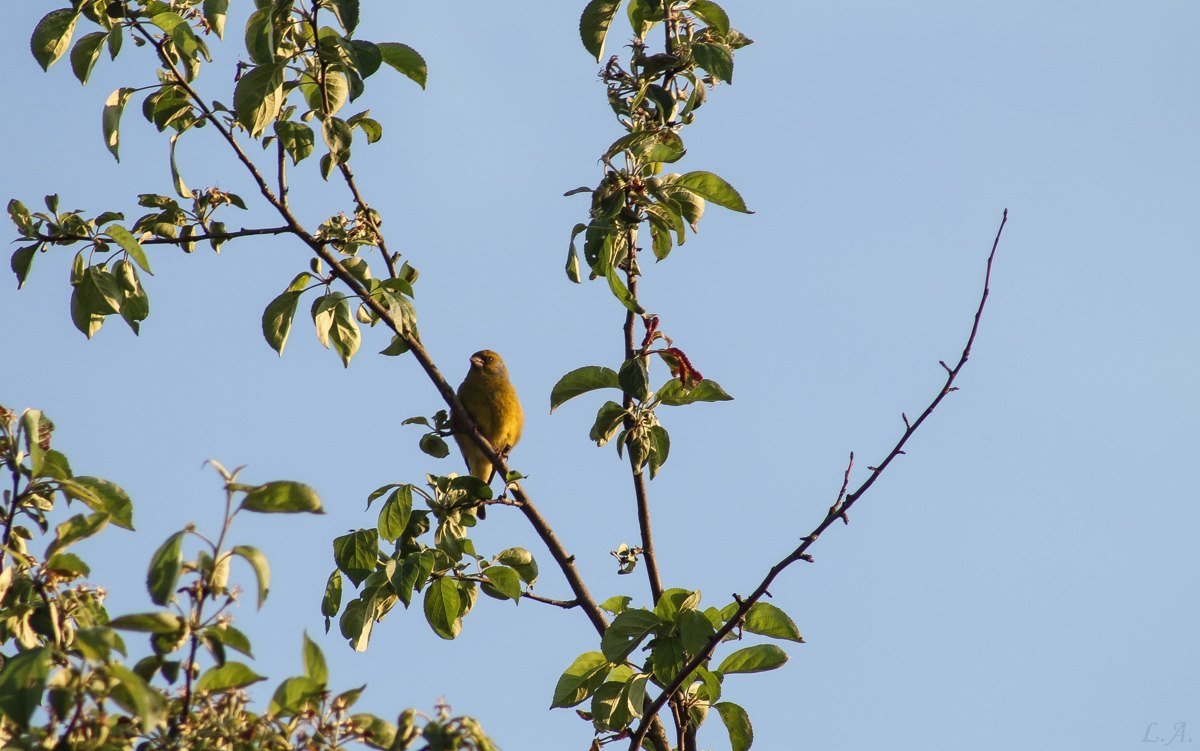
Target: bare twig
x=838 y=510
x=564 y=604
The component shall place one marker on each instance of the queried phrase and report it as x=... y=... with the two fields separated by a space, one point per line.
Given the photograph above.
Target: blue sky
x=1024 y=577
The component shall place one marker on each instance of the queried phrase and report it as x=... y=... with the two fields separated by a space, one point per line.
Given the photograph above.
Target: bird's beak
x=476 y=362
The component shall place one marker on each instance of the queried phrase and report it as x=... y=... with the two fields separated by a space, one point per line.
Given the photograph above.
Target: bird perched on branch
x=491 y=400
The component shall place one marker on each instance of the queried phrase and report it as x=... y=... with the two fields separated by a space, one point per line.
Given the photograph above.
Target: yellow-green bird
x=492 y=402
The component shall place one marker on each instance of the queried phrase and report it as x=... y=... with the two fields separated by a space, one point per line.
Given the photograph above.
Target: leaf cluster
x=644 y=648
x=67 y=678
x=426 y=551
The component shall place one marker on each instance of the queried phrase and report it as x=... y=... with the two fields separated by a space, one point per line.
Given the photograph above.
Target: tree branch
x=639 y=477
x=230 y=235
x=836 y=511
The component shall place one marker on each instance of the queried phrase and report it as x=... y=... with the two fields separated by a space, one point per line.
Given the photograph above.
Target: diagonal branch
x=565 y=561
x=836 y=511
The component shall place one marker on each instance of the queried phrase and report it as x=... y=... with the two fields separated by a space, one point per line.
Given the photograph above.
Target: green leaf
x=629 y=702
x=297 y=139
x=181 y=188
x=410 y=574
x=99 y=292
x=521 y=561
x=673 y=600
x=165 y=566
x=76 y=528
x=231 y=637
x=594 y=23
x=102 y=496
x=22 y=260
x=694 y=631
x=260 y=35
x=634 y=377
x=372 y=129
x=654 y=146
x=130 y=245
x=52 y=36
x=55 y=466
x=737 y=722
x=406 y=60
x=258 y=96
x=627 y=631
x=187 y=44
x=572 y=267
x=148 y=705
x=31 y=430
x=110 y=119
x=616 y=604
x=347 y=14
x=356 y=624
x=98 y=643
x=608 y=420
x=295 y=695
x=262 y=569
x=768 y=620
x=672 y=393
x=162 y=622
x=322 y=315
x=277 y=320
x=685 y=204
x=503 y=582
x=397 y=347
x=344 y=334
x=115 y=38
x=334 y=89
x=643 y=15
x=712 y=14
x=22 y=682
x=20 y=216
x=713 y=188
x=135 y=308
x=666 y=658
x=660 y=448
x=83 y=318
x=214 y=15
x=433 y=445
x=396 y=511
x=756 y=659
x=580 y=680
x=580 y=381
x=338 y=137
x=356 y=554
x=314 y=661
x=331 y=601
x=443 y=608
x=716 y=58
x=86 y=53
x=282 y=497
x=67 y=564
x=231 y=675
x=604 y=701
x=621 y=292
